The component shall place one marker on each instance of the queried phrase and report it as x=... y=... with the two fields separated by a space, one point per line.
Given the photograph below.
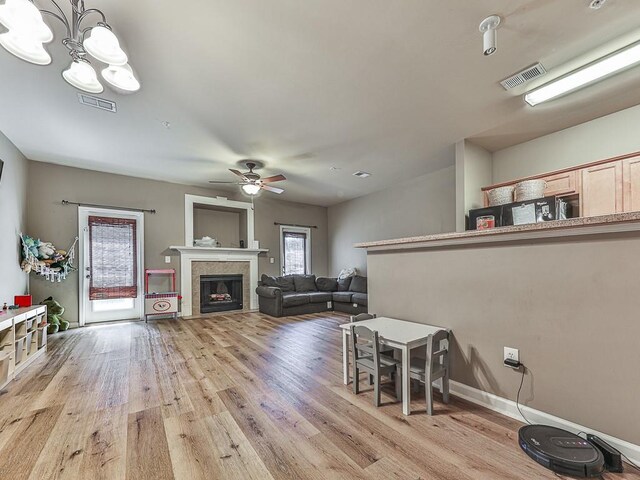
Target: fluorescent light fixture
x=600 y=69
x=251 y=188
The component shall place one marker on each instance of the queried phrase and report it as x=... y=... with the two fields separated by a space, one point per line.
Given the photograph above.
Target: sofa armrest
x=269 y=292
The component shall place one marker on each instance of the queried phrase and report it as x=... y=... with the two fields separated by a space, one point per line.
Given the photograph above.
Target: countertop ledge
x=614 y=223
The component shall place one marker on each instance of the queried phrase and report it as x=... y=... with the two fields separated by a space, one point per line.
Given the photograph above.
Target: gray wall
x=570 y=306
x=421 y=206
x=604 y=137
x=49 y=220
x=13 y=201
x=474 y=167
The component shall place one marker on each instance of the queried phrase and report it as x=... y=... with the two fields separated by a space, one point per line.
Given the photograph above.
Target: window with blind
x=113 y=257
x=294 y=246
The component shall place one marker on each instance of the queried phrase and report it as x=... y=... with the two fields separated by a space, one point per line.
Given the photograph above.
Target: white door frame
x=83 y=245
x=307 y=230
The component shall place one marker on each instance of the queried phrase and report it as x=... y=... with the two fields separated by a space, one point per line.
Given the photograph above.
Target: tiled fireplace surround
x=219 y=268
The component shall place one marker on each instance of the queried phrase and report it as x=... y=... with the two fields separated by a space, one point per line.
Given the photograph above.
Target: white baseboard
x=508 y=408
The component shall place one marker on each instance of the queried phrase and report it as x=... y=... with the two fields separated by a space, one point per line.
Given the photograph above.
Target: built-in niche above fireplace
x=220 y=293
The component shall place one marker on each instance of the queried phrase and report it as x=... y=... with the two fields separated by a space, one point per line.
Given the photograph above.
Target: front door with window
x=111 y=265
x=295 y=250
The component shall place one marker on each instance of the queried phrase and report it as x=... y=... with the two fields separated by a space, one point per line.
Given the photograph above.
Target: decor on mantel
x=28 y=33
x=44 y=259
x=206 y=242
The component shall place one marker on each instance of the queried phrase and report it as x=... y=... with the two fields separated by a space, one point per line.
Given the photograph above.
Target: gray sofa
x=300 y=294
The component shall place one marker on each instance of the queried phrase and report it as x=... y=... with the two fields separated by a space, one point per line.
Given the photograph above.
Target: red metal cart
x=164 y=303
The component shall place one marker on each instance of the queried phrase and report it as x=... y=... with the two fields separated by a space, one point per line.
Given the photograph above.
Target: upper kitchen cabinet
x=562 y=184
x=631 y=184
x=601 y=189
x=598 y=188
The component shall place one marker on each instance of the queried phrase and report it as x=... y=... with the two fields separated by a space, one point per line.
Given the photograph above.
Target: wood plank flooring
x=242 y=396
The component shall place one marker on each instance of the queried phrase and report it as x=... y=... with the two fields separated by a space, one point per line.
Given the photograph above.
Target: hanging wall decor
x=44 y=259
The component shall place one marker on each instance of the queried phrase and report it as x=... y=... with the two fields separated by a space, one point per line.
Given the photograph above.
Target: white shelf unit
x=23 y=338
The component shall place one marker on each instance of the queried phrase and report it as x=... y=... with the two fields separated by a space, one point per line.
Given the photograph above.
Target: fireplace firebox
x=220 y=293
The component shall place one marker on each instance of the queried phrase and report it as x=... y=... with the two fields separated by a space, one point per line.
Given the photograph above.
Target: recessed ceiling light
x=596 y=4
x=602 y=68
x=361 y=174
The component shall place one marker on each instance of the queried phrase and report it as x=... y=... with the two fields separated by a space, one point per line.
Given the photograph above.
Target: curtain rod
x=295 y=225
x=67 y=202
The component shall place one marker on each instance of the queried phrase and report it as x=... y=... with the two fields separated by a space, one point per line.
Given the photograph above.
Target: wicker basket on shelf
x=500 y=196
x=530 y=190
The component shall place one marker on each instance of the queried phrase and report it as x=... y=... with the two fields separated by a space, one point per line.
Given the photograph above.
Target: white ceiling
x=385 y=86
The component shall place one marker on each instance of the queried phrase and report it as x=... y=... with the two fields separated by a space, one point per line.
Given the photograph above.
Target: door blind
x=295 y=253
x=113 y=258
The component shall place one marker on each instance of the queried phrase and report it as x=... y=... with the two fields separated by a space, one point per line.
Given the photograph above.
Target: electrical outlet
x=272 y=260
x=329 y=304
x=511 y=354
x=167 y=259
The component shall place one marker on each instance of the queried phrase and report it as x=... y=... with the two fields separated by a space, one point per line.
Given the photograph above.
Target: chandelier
x=27 y=33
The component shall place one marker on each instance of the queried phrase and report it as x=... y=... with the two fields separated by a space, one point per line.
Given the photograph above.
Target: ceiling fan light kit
x=28 y=32
x=251 y=182
x=251 y=188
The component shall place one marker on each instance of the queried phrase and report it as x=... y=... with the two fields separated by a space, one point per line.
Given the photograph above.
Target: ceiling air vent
x=361 y=174
x=523 y=77
x=96 y=102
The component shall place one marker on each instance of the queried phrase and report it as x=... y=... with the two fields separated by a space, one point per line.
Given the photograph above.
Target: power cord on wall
x=524 y=370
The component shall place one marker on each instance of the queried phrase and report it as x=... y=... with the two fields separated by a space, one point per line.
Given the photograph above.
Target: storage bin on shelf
x=28 y=343
x=5 y=361
x=20 y=348
x=42 y=335
x=30 y=322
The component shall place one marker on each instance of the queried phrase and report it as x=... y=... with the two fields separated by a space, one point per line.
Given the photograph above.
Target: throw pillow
x=343 y=284
x=305 y=283
x=325 y=284
x=359 y=284
x=347 y=272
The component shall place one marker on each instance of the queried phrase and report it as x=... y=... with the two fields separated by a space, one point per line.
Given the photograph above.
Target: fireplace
x=220 y=293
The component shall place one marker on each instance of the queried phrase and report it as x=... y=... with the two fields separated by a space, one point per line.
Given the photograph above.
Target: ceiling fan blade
x=239 y=173
x=275 y=178
x=230 y=183
x=272 y=189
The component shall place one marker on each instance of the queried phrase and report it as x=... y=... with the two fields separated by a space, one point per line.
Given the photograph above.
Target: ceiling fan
x=252 y=183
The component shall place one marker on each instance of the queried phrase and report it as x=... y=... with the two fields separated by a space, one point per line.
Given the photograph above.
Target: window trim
x=305 y=230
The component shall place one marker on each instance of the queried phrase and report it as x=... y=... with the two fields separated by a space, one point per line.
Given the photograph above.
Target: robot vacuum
x=561 y=451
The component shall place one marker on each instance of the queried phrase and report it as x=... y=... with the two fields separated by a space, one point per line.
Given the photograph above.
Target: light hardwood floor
x=233 y=397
